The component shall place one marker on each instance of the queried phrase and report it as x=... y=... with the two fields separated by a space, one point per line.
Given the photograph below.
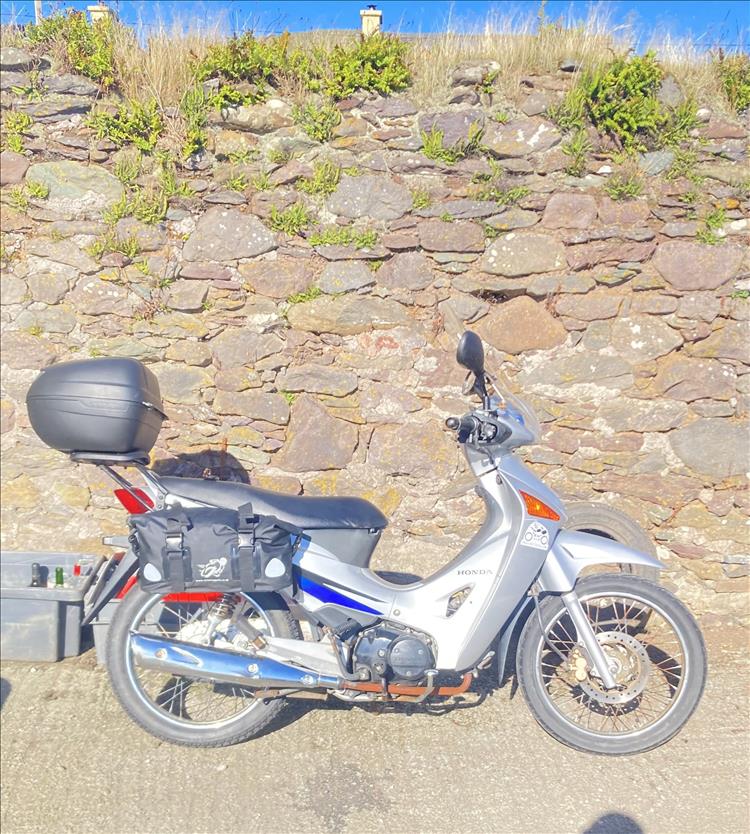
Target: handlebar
x=465 y=425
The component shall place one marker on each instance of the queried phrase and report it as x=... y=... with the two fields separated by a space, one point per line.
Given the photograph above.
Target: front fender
x=572 y=552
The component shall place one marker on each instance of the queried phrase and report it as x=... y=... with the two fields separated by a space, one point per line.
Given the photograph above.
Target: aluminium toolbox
x=42 y=624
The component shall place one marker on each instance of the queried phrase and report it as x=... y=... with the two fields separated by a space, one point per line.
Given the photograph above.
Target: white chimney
x=99 y=12
x=372 y=20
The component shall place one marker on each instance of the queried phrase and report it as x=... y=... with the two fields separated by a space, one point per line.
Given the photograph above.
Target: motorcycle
x=610 y=663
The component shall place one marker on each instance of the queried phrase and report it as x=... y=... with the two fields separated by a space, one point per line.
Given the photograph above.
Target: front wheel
x=184 y=710
x=654 y=647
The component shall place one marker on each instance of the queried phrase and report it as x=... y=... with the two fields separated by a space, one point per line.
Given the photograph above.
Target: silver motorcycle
x=609 y=662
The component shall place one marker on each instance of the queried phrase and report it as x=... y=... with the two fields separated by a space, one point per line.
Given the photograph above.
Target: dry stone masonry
x=327 y=365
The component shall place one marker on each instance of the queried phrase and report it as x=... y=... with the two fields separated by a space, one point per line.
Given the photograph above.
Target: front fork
x=587 y=639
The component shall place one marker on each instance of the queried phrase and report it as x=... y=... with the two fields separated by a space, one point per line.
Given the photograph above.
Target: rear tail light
x=134 y=505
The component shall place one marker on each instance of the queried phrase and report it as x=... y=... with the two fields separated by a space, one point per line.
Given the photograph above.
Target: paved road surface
x=72 y=762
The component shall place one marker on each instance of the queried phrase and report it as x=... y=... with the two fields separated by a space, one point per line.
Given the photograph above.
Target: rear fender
x=572 y=552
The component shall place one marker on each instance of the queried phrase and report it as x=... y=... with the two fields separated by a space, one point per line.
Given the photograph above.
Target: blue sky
x=713 y=22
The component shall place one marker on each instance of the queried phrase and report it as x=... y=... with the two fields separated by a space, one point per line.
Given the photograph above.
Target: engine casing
x=398 y=655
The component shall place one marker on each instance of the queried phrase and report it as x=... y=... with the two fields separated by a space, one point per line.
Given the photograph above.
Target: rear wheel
x=656 y=652
x=184 y=710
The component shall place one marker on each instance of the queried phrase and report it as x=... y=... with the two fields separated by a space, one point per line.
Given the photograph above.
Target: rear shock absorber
x=222 y=609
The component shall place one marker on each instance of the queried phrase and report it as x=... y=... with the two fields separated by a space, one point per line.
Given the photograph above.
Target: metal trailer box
x=42 y=624
x=96 y=405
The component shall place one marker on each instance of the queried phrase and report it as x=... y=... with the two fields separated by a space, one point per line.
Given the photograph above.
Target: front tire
x=171 y=720
x=660 y=678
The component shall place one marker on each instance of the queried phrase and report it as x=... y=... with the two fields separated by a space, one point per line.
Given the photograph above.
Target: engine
x=386 y=651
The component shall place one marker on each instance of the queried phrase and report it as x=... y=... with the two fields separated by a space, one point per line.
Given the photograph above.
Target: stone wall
x=330 y=368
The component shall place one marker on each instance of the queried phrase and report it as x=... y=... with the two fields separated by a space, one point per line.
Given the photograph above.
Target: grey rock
x=10 y=79
x=187 y=295
x=389 y=108
x=49 y=287
x=18 y=60
x=384 y=403
x=255 y=405
x=536 y=103
x=655 y=162
x=454 y=124
x=377 y=197
x=521 y=324
x=543 y=285
x=236 y=347
x=469 y=75
x=569 y=65
x=180 y=383
x=688 y=265
x=56 y=108
x=513 y=218
x=280 y=278
x=714 y=447
x=24 y=351
x=76 y=191
x=630 y=414
x=13 y=167
x=419 y=450
x=684 y=378
x=75 y=85
x=459 y=236
x=259 y=118
x=346 y=315
x=580 y=368
x=464 y=95
x=407 y=270
x=95 y=297
x=567 y=210
x=205 y=270
x=520 y=137
x=227 y=235
x=303 y=450
x=732 y=341
x=149 y=236
x=670 y=94
x=13 y=290
x=319 y=379
x=463 y=209
x=60 y=318
x=464 y=308
x=225 y=198
x=62 y=252
x=523 y=253
x=345 y=276
x=640 y=338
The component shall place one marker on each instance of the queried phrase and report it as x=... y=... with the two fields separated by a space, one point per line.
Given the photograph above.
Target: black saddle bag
x=212 y=549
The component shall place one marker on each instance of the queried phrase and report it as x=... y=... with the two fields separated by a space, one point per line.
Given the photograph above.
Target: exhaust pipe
x=189 y=660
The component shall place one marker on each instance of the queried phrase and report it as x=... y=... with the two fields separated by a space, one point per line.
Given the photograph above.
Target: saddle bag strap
x=174 y=554
x=246 y=556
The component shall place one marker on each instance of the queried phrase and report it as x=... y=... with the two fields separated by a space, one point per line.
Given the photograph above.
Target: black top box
x=97 y=405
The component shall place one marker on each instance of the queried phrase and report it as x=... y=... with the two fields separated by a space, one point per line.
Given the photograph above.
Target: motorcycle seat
x=305 y=511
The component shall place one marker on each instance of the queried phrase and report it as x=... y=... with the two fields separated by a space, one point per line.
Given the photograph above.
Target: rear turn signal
x=538 y=508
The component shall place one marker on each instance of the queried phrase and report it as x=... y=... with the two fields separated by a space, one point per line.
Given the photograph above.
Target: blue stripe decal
x=325 y=594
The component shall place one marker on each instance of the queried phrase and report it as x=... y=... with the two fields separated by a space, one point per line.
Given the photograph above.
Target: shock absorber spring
x=224 y=607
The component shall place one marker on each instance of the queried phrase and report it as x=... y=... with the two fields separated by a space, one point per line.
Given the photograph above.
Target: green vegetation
x=243 y=156
x=18 y=198
x=317 y=120
x=624 y=185
x=308 y=295
x=495 y=186
x=134 y=123
x=37 y=190
x=376 y=64
x=487 y=84
x=713 y=222
x=289 y=397
x=352 y=171
x=344 y=236
x=433 y=148
x=621 y=101
x=194 y=108
x=88 y=48
x=110 y=242
x=262 y=181
x=420 y=198
x=291 y=221
x=237 y=183
x=501 y=117
x=277 y=156
x=16 y=124
x=683 y=166
x=577 y=147
x=734 y=75
x=324 y=181
x=128 y=168
x=743 y=294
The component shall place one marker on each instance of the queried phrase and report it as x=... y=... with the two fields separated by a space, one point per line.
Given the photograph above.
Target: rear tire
x=147 y=715
x=613 y=524
x=547 y=711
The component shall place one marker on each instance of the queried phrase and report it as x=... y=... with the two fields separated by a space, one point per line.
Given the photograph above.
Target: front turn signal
x=538 y=508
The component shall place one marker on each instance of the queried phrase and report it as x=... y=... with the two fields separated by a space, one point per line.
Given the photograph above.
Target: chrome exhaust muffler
x=189 y=660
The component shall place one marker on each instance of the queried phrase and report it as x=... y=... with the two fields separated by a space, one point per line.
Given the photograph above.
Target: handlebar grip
x=467 y=423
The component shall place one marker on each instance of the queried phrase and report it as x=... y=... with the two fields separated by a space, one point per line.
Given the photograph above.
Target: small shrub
x=243 y=156
x=308 y=295
x=138 y=124
x=291 y=221
x=487 y=84
x=677 y=124
x=88 y=47
x=318 y=121
x=111 y=243
x=168 y=180
x=433 y=148
x=624 y=185
x=577 y=148
x=713 y=223
x=496 y=187
x=734 y=74
x=18 y=198
x=324 y=181
x=237 y=182
x=128 y=168
x=501 y=117
x=289 y=397
x=344 y=236
x=376 y=63
x=277 y=156
x=683 y=166
x=420 y=198
x=149 y=205
x=262 y=181
x=38 y=190
x=16 y=122
x=194 y=107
